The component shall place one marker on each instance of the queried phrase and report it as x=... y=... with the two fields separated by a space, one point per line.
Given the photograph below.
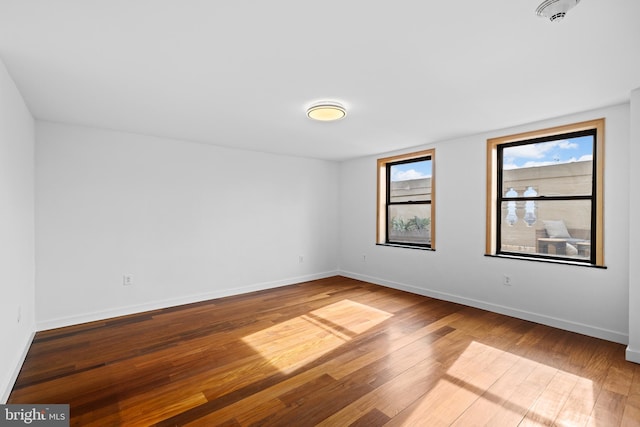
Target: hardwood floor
x=332 y=352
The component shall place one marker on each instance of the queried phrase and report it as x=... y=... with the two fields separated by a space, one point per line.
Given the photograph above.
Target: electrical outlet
x=506 y=280
x=300 y=259
x=127 y=280
x=364 y=258
x=19 y=313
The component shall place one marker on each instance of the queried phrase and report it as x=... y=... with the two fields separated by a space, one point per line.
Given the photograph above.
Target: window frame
x=495 y=198
x=383 y=193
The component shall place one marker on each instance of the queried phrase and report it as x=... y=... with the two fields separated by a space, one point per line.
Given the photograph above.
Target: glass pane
x=410 y=181
x=555 y=168
x=556 y=228
x=410 y=224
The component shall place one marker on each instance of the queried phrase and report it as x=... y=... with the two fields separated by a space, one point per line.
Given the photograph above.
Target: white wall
x=16 y=231
x=583 y=299
x=189 y=221
x=633 y=351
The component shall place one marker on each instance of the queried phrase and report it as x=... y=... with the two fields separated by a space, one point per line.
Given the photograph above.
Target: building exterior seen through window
x=546 y=194
x=405 y=200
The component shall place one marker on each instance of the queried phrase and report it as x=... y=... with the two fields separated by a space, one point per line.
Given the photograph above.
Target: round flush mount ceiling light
x=555 y=10
x=326 y=111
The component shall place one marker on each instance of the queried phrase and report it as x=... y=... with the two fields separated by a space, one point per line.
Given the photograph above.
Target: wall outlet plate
x=127 y=280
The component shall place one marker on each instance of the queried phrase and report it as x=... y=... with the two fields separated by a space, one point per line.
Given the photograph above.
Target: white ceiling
x=241 y=73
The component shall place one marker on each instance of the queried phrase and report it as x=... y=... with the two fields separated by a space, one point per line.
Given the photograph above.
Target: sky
x=413 y=170
x=548 y=153
x=523 y=156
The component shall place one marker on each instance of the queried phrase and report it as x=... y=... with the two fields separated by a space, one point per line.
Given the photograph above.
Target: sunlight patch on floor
x=298 y=341
x=486 y=385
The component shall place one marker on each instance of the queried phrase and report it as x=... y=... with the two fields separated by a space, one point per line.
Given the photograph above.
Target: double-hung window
x=545 y=194
x=406 y=200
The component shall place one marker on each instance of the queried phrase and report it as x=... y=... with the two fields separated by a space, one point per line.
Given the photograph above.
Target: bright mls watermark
x=34 y=415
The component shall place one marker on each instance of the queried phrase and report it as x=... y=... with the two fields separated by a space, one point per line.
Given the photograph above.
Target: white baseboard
x=16 y=370
x=592 y=331
x=155 y=305
x=633 y=355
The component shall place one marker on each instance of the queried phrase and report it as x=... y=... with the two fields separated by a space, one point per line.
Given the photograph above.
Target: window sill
x=395 y=245
x=546 y=260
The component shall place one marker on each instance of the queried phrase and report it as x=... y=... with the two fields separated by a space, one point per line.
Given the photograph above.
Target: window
x=545 y=194
x=406 y=200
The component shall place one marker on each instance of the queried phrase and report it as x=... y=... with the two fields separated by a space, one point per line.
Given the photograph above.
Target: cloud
x=565 y=145
x=534 y=164
x=406 y=175
x=529 y=151
x=542 y=154
x=537 y=151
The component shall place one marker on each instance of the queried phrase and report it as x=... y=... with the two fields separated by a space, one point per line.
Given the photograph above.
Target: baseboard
x=633 y=355
x=16 y=370
x=155 y=305
x=567 y=325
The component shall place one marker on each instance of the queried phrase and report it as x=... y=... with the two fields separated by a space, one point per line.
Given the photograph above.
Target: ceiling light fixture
x=326 y=111
x=555 y=10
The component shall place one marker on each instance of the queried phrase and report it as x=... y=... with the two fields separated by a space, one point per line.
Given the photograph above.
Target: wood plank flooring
x=332 y=352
